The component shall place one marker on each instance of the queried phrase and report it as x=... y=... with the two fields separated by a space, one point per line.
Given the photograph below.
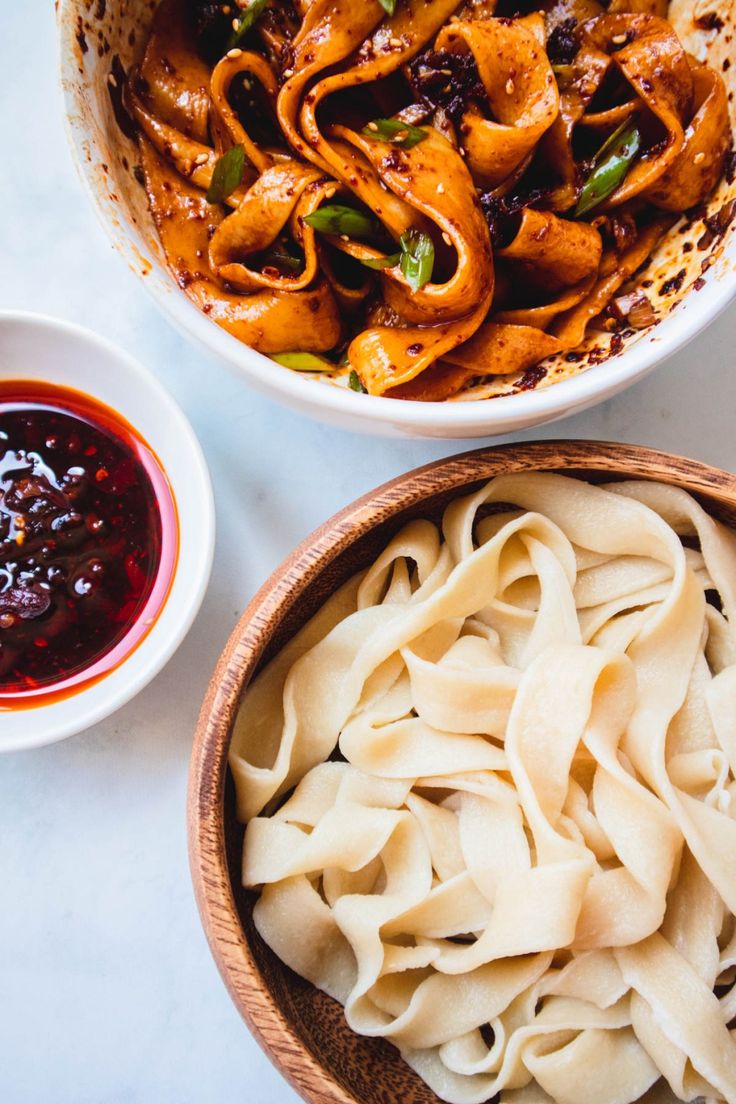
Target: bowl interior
x=691 y=273
x=285 y=1012
x=34 y=347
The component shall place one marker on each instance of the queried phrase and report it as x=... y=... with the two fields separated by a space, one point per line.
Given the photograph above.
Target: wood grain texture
x=302 y=1030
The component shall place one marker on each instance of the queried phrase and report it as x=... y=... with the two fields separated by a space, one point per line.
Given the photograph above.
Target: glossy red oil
x=88 y=541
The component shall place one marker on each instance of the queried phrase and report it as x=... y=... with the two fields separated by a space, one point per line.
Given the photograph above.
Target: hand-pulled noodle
x=504 y=171
x=490 y=796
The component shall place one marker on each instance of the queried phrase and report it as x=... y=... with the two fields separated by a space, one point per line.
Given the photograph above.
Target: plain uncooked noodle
x=521 y=870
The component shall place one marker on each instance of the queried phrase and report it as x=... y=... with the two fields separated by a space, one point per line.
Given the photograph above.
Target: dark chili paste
x=87 y=539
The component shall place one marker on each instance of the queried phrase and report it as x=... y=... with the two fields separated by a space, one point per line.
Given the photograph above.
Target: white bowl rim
x=44 y=730
x=375 y=414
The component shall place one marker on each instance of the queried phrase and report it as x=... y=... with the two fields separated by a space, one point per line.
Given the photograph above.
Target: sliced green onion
x=381 y=262
x=304 y=362
x=227 y=175
x=388 y=6
x=612 y=163
x=279 y=256
x=613 y=138
x=335 y=219
x=396 y=132
x=417 y=258
x=248 y=19
x=354 y=382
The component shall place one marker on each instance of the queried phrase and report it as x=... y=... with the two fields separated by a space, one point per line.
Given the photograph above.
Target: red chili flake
x=531 y=378
x=136 y=577
x=674 y=283
x=730 y=168
x=709 y=22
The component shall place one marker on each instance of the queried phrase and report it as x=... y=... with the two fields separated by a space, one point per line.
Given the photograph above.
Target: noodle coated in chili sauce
x=87 y=540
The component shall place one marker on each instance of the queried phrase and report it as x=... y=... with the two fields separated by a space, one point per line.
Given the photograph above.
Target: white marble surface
x=108 y=994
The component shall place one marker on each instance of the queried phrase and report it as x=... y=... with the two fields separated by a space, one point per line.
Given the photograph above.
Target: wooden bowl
x=302 y=1030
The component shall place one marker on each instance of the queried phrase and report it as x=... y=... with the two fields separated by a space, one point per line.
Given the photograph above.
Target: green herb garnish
x=250 y=16
x=417 y=258
x=355 y=383
x=612 y=163
x=388 y=6
x=304 y=362
x=227 y=175
x=396 y=132
x=335 y=219
x=381 y=262
x=278 y=256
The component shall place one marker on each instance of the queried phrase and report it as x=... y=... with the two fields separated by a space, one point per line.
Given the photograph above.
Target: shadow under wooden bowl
x=301 y=1030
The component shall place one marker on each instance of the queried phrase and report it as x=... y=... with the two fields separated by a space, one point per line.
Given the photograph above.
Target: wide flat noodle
x=464 y=258
x=489 y=795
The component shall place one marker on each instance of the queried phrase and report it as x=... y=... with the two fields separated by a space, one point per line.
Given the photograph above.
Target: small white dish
x=33 y=347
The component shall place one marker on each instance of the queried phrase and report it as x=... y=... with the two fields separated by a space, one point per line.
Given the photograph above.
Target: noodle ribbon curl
x=521 y=867
x=500 y=147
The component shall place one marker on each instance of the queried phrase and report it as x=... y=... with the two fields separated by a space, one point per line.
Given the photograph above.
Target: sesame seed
x=235 y=24
x=344 y=237
x=440 y=188
x=396 y=43
x=235 y=53
x=372 y=126
x=619 y=39
x=509 y=87
x=201 y=159
x=446 y=238
x=698 y=158
x=288 y=74
x=330 y=193
x=111 y=80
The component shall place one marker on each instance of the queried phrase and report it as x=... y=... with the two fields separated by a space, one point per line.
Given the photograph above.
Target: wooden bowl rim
x=208 y=768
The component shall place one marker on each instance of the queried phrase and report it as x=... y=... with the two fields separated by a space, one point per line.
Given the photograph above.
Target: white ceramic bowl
x=103 y=38
x=33 y=347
